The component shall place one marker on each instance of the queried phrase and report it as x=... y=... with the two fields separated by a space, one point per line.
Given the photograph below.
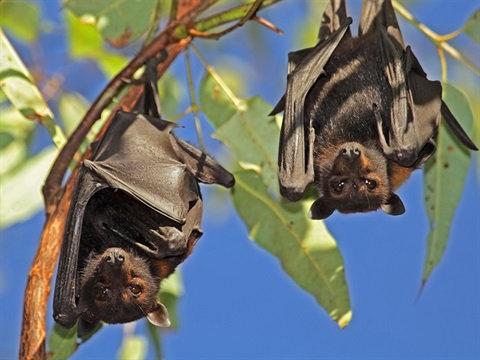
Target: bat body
x=135 y=215
x=360 y=115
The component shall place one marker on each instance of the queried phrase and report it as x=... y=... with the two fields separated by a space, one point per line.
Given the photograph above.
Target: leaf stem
x=236 y=101
x=439 y=40
x=193 y=100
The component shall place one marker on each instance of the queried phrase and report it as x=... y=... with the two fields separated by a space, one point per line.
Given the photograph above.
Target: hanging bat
x=359 y=114
x=135 y=215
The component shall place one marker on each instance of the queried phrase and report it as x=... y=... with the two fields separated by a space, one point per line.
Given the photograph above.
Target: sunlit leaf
x=20 y=189
x=171 y=93
x=119 y=21
x=86 y=42
x=72 y=107
x=472 y=26
x=445 y=175
x=21 y=18
x=20 y=89
x=62 y=342
x=133 y=348
x=304 y=247
x=216 y=105
x=15 y=135
x=249 y=132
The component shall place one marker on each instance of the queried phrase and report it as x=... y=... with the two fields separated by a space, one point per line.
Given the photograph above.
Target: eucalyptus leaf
x=15 y=135
x=62 y=342
x=21 y=18
x=248 y=131
x=20 y=190
x=19 y=87
x=86 y=42
x=445 y=175
x=119 y=21
x=305 y=248
x=133 y=348
x=72 y=107
x=472 y=26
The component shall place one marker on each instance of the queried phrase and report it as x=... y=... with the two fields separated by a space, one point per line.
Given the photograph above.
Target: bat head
x=353 y=178
x=118 y=286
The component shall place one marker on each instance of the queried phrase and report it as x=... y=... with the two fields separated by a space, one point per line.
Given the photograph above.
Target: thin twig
x=248 y=15
x=236 y=101
x=267 y=24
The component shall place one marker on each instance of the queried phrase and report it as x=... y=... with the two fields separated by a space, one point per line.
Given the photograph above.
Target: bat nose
x=350 y=152
x=114 y=257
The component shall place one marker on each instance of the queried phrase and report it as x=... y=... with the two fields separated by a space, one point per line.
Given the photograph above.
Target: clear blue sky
x=238 y=303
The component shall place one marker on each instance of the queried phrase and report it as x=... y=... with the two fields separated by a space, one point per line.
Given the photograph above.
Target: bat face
x=353 y=178
x=118 y=286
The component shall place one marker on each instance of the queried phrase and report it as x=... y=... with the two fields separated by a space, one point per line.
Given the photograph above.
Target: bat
x=135 y=215
x=359 y=115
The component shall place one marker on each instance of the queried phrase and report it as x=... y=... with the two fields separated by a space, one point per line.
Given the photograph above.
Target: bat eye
x=338 y=186
x=135 y=289
x=371 y=184
x=102 y=294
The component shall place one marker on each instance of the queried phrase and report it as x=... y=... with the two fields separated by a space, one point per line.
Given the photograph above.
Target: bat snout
x=114 y=257
x=350 y=152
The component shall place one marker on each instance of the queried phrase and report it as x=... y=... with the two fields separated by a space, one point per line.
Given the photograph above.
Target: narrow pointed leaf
x=119 y=21
x=133 y=348
x=19 y=87
x=305 y=248
x=472 y=26
x=444 y=178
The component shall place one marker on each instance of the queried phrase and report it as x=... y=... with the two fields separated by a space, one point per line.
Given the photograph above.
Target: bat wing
x=203 y=167
x=65 y=311
x=296 y=142
x=136 y=156
x=417 y=106
x=334 y=16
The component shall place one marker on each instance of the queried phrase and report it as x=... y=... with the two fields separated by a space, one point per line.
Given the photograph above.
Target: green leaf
x=216 y=104
x=134 y=347
x=445 y=175
x=304 y=247
x=119 y=21
x=171 y=93
x=253 y=138
x=246 y=129
x=71 y=107
x=62 y=342
x=20 y=89
x=21 y=18
x=472 y=26
x=29 y=177
x=86 y=42
x=15 y=135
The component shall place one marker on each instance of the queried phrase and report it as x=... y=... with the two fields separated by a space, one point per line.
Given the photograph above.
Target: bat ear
x=320 y=209
x=159 y=316
x=85 y=327
x=394 y=205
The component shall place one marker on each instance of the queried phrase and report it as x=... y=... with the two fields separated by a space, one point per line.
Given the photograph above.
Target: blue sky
x=238 y=302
